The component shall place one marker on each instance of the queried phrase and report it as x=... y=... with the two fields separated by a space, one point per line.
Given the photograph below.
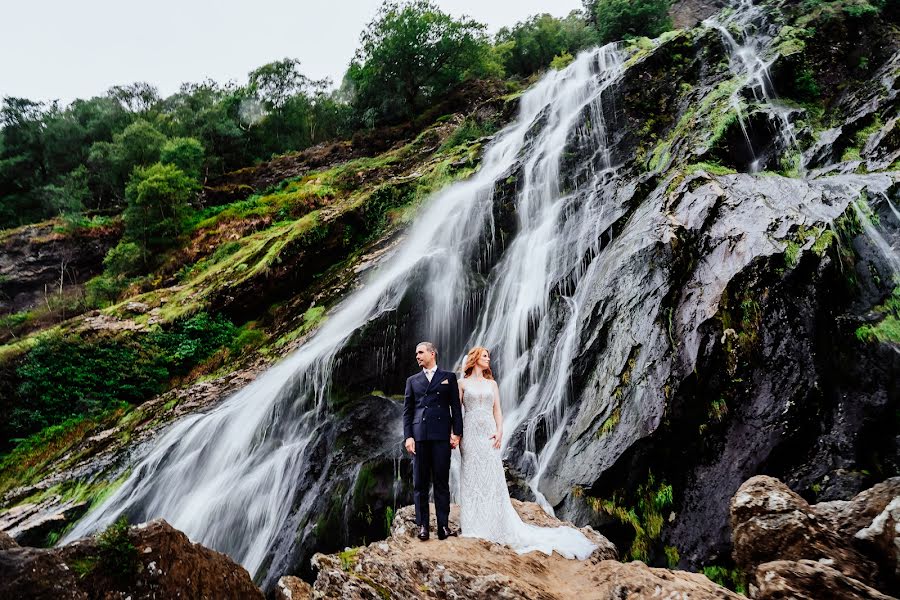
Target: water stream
x=228 y=477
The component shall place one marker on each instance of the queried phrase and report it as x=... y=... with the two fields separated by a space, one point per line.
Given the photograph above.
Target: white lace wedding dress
x=485 y=510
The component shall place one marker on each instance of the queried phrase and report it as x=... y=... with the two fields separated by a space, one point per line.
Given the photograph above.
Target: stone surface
x=882 y=538
x=770 y=522
x=167 y=565
x=404 y=567
x=809 y=580
x=292 y=588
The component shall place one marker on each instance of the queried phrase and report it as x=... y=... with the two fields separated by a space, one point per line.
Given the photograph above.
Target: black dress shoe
x=423 y=533
x=445 y=532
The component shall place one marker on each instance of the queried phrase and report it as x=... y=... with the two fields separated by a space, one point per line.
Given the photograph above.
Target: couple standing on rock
x=438 y=406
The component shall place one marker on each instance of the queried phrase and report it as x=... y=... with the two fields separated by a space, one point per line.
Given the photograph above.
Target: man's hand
x=454 y=440
x=411 y=445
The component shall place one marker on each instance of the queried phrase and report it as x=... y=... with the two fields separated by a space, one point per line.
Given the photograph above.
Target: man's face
x=424 y=357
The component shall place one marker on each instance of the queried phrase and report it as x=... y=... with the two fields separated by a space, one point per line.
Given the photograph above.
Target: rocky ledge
x=839 y=549
x=152 y=560
x=404 y=567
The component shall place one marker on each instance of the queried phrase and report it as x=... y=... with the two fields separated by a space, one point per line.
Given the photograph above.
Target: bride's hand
x=497 y=436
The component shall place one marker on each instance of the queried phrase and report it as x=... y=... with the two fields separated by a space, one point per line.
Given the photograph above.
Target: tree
x=619 y=19
x=138 y=97
x=185 y=153
x=23 y=166
x=411 y=53
x=158 y=199
x=70 y=196
x=140 y=144
x=276 y=82
x=531 y=45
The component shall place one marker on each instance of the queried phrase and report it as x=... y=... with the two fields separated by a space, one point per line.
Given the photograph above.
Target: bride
x=485 y=510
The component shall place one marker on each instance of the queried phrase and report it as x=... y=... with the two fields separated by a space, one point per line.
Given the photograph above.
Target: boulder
x=770 y=523
x=881 y=539
x=151 y=560
x=809 y=580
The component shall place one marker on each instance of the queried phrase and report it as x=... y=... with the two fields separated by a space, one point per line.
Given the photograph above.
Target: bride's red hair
x=471 y=358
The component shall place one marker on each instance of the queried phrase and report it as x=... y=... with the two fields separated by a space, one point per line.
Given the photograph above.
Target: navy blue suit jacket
x=432 y=410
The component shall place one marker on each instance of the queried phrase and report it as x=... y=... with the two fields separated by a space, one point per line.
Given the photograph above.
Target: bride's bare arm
x=498 y=416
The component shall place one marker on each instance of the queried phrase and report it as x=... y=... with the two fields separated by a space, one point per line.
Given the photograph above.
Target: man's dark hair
x=428 y=346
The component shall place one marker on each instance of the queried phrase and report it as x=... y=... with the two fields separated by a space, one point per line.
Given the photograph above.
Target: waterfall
x=229 y=478
x=749 y=63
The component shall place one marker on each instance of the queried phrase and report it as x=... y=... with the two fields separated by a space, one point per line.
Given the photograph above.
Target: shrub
x=123 y=259
x=117 y=556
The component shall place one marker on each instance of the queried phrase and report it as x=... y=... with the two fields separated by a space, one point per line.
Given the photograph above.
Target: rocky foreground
x=786 y=547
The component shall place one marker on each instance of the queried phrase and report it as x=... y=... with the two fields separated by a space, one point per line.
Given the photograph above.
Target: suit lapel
x=423 y=382
x=434 y=379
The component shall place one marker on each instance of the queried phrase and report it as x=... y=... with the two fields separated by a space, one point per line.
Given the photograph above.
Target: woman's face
x=484 y=361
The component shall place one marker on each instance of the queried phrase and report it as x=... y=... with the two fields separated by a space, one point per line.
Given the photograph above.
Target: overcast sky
x=67 y=49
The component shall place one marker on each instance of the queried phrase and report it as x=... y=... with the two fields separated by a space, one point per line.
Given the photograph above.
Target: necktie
x=429 y=373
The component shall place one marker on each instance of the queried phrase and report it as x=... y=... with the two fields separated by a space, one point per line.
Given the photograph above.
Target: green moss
x=887 y=330
x=715 y=114
x=851 y=153
x=792 y=254
x=645 y=517
x=117 y=556
x=672 y=556
x=610 y=423
x=348 y=558
x=732 y=579
x=823 y=242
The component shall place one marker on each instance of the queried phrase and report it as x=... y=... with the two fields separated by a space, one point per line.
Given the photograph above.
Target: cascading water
x=229 y=478
x=748 y=61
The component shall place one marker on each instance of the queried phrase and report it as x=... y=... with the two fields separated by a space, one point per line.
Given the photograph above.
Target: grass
x=887 y=330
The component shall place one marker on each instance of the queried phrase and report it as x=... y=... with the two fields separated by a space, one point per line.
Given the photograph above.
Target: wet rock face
x=165 y=565
x=35 y=257
x=404 y=567
x=845 y=549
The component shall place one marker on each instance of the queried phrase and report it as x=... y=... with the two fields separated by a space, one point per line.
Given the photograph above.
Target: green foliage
x=117 y=555
x=610 y=422
x=645 y=517
x=672 y=557
x=541 y=41
x=887 y=330
x=139 y=145
x=469 y=131
x=185 y=153
x=68 y=377
x=806 y=86
x=191 y=340
x=125 y=258
x=158 y=201
x=70 y=196
x=732 y=579
x=348 y=558
x=619 y=19
x=410 y=54
x=561 y=61
x=103 y=290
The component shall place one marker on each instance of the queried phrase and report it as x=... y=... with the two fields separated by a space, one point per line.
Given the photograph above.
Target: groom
x=432 y=425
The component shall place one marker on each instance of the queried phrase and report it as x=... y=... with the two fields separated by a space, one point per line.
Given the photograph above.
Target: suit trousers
x=431 y=466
